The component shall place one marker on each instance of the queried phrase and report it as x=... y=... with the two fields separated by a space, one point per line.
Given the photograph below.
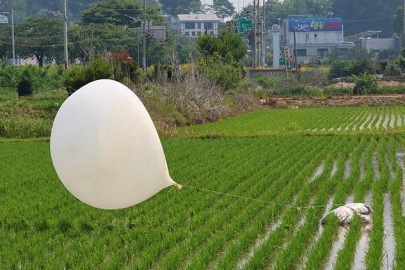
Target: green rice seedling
x=375 y=252
x=395 y=188
x=227 y=234
x=295 y=248
x=345 y=256
x=257 y=260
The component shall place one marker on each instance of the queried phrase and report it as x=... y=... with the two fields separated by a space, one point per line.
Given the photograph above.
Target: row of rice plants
x=260 y=224
x=264 y=174
x=395 y=187
x=343 y=187
x=204 y=210
x=295 y=247
x=318 y=254
x=251 y=210
x=169 y=227
x=20 y=201
x=289 y=219
x=229 y=206
x=346 y=254
x=236 y=180
x=363 y=120
x=375 y=252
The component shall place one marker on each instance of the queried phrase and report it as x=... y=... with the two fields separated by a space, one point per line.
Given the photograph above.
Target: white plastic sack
x=105 y=148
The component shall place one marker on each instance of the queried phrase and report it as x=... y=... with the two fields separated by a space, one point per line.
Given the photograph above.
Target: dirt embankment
x=335 y=101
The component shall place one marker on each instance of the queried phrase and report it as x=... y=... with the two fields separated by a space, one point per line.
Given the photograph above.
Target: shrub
x=77 y=76
x=392 y=69
x=224 y=71
x=365 y=84
x=24 y=86
x=344 y=68
x=265 y=81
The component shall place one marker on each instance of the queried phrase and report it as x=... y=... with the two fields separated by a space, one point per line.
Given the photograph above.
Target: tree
x=120 y=12
x=40 y=37
x=5 y=43
x=175 y=7
x=226 y=43
x=398 y=21
x=222 y=58
x=363 y=15
x=102 y=39
x=223 y=8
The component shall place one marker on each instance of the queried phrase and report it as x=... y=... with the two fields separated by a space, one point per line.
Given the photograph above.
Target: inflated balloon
x=105 y=148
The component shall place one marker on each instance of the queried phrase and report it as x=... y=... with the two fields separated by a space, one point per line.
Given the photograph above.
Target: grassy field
x=292 y=180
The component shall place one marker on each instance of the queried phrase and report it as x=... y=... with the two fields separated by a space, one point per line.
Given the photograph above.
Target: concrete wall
x=377 y=44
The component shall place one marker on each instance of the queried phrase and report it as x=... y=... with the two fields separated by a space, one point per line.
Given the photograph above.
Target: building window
x=189 y=25
x=211 y=33
x=315 y=35
x=193 y=34
x=198 y=25
x=322 y=52
x=187 y=33
x=302 y=52
x=198 y=33
x=208 y=25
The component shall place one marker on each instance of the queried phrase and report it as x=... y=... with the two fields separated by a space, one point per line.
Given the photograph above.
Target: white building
x=315 y=37
x=197 y=24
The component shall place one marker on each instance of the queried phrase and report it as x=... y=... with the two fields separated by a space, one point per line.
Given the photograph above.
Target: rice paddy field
x=255 y=188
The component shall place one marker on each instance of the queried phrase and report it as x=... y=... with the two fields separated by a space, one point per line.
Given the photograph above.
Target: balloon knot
x=178 y=185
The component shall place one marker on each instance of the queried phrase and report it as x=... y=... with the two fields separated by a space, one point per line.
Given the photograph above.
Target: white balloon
x=105 y=148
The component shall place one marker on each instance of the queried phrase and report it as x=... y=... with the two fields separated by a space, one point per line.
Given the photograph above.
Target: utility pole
x=254 y=33
x=65 y=20
x=144 y=37
x=262 y=38
x=12 y=32
x=12 y=35
x=403 y=19
x=295 y=53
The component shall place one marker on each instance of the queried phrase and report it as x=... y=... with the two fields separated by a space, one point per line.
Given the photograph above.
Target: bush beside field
x=187 y=99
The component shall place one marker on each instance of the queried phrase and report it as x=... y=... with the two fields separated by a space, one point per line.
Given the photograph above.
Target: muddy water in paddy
x=399 y=120
x=362 y=169
x=260 y=241
x=362 y=245
x=339 y=242
x=364 y=123
x=334 y=169
x=375 y=167
x=317 y=172
x=389 y=240
x=392 y=120
x=392 y=173
x=400 y=161
x=348 y=126
x=386 y=119
x=348 y=168
x=372 y=121
x=377 y=125
x=318 y=234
